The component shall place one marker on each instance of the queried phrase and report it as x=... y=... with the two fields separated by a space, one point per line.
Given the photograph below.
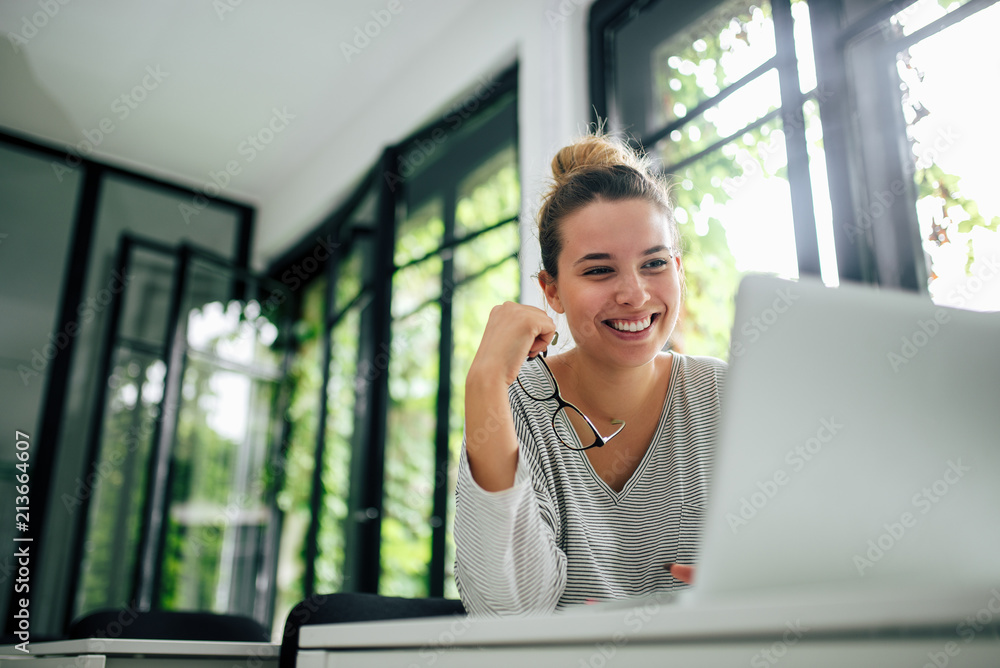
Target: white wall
x=548 y=40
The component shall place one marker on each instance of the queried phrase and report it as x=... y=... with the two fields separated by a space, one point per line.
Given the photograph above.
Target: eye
x=597 y=271
x=658 y=263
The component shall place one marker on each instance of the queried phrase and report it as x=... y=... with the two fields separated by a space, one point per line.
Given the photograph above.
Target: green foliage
x=118 y=492
x=304 y=380
x=689 y=69
x=487 y=195
x=218 y=494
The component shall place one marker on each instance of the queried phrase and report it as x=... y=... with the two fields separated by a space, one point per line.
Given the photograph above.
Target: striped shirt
x=561 y=535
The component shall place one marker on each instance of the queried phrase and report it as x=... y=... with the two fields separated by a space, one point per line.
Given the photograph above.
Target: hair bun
x=594 y=151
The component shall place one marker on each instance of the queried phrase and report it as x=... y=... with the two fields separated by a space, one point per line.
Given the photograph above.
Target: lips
x=632 y=325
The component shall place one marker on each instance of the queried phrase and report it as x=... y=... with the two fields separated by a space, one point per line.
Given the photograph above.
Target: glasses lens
x=544 y=390
x=584 y=435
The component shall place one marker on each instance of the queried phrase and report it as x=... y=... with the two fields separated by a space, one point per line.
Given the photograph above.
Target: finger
x=543 y=340
x=681 y=572
x=537 y=346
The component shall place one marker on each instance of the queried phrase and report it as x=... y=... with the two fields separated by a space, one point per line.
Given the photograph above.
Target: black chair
x=168 y=625
x=342 y=608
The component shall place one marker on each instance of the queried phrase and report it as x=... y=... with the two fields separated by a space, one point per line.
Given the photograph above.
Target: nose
x=632 y=289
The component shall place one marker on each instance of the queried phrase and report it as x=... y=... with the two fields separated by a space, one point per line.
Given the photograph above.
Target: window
x=389 y=320
x=716 y=93
x=931 y=56
x=69 y=215
x=797 y=136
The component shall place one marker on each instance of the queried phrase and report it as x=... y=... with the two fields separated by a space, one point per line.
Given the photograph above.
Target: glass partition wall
x=61 y=223
x=182 y=515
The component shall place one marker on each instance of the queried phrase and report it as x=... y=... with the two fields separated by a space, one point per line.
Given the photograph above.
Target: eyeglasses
x=581 y=423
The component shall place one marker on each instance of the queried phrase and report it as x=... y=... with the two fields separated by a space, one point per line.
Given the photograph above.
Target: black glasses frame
x=599 y=440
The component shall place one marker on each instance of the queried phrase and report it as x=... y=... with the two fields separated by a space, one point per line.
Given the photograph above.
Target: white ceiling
x=225 y=69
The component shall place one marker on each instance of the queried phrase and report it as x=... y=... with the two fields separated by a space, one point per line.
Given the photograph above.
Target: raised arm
x=507 y=560
x=513 y=333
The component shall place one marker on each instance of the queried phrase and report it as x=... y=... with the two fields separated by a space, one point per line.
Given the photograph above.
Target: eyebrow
x=607 y=256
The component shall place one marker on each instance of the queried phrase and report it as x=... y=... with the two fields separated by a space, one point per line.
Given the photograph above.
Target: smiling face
x=618 y=280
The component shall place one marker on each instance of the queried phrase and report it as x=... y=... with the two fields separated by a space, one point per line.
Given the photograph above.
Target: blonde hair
x=594 y=168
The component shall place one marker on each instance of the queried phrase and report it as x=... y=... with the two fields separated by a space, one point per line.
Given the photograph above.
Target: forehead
x=623 y=227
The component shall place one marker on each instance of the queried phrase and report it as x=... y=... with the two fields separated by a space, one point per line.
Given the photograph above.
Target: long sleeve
x=507 y=561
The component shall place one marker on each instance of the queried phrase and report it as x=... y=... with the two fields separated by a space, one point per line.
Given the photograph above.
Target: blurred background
x=247 y=250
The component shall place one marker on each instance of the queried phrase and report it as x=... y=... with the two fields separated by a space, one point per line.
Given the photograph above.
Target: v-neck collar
x=618 y=497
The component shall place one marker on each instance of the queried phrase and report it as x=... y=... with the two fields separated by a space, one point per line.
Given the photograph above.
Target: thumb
x=681 y=572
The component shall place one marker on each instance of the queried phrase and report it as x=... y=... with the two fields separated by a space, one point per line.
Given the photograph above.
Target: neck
x=609 y=392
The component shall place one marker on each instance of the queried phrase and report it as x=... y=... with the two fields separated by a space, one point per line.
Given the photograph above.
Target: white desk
x=844 y=630
x=124 y=653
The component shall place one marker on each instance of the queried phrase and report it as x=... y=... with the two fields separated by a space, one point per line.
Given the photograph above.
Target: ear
x=551 y=290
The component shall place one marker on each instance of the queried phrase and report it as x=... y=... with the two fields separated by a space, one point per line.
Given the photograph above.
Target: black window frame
x=387 y=182
x=887 y=252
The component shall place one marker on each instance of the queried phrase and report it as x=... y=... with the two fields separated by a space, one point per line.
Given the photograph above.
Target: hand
x=681 y=572
x=513 y=333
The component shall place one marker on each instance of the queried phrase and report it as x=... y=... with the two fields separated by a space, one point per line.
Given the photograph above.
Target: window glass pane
x=471 y=307
x=922 y=13
x=734 y=212
x=37 y=206
x=219 y=503
x=147 y=300
x=822 y=205
x=305 y=379
x=341 y=398
x=409 y=450
x=696 y=63
x=486 y=250
x=423 y=232
x=135 y=390
x=958 y=205
x=803 y=45
x=414 y=286
x=488 y=195
x=148 y=211
x=748 y=104
x=350 y=277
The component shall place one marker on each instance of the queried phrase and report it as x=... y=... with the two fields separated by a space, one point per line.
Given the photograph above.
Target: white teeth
x=631 y=326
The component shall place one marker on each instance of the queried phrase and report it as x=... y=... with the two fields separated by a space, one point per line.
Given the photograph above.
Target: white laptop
x=859 y=447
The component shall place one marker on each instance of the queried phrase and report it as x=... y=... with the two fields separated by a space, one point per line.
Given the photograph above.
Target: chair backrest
x=168 y=625
x=350 y=607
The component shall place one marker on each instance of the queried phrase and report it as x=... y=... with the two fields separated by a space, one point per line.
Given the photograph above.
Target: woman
x=550 y=510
